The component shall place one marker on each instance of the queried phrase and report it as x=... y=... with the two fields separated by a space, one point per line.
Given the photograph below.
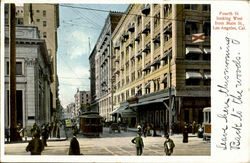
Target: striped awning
x=207 y=75
x=193 y=50
x=193 y=75
x=164 y=80
x=149 y=102
x=207 y=50
x=147 y=85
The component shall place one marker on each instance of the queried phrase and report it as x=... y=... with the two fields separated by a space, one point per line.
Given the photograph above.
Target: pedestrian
x=185 y=134
x=25 y=134
x=35 y=146
x=34 y=129
x=193 y=127
x=58 y=131
x=45 y=135
x=138 y=141
x=74 y=148
x=168 y=145
x=139 y=129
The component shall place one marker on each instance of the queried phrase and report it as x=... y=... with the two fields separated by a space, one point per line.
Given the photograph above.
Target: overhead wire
x=124 y=13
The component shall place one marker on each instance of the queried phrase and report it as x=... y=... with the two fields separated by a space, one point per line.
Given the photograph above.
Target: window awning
x=207 y=50
x=193 y=75
x=193 y=50
x=164 y=80
x=207 y=75
x=169 y=52
x=147 y=85
x=191 y=21
x=147 y=68
x=157 y=61
x=118 y=110
x=149 y=102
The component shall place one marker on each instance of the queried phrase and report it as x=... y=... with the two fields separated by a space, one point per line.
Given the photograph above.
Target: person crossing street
x=138 y=141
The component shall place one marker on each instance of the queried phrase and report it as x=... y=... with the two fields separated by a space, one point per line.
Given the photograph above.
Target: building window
x=44 y=35
x=157 y=20
x=193 y=77
x=132 y=91
x=19 y=68
x=138 y=20
x=37 y=20
x=44 y=12
x=205 y=7
x=44 y=23
x=191 y=27
x=190 y=7
x=207 y=29
x=37 y=11
x=19 y=21
x=127 y=94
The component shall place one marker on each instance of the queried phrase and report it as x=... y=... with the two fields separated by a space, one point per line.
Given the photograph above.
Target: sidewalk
x=30 y=138
x=161 y=133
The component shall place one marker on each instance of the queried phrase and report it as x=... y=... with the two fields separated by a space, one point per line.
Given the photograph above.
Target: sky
x=78 y=29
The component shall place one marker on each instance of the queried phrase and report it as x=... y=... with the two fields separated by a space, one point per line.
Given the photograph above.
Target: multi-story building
x=70 y=108
x=156 y=64
x=33 y=78
x=81 y=97
x=94 y=103
x=46 y=18
x=103 y=66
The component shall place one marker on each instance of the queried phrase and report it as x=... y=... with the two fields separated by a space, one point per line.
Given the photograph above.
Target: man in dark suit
x=74 y=148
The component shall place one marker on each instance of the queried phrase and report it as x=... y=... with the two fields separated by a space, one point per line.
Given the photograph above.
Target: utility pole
x=14 y=135
x=170 y=97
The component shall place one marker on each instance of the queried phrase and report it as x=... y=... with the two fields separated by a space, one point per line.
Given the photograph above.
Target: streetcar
x=91 y=124
x=207 y=123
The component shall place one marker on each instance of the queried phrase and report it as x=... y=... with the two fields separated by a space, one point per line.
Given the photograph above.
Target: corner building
x=153 y=54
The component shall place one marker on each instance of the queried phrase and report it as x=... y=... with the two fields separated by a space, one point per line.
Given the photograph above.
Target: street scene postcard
x=136 y=81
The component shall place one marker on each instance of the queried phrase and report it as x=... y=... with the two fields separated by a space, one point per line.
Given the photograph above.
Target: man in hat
x=35 y=146
x=168 y=145
x=138 y=144
x=74 y=148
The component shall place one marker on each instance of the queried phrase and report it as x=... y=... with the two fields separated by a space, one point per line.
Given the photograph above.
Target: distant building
x=81 y=97
x=33 y=77
x=71 y=108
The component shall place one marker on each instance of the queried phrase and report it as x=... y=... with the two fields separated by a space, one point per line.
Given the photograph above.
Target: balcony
x=117 y=46
x=156 y=39
x=145 y=10
x=131 y=28
x=168 y=30
x=138 y=37
x=146 y=49
x=146 y=29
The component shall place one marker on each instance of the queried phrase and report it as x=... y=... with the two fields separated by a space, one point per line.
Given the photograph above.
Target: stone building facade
x=103 y=66
x=155 y=60
x=33 y=78
x=46 y=18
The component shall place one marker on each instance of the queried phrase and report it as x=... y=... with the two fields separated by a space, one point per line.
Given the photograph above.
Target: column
x=124 y=63
x=161 y=32
x=136 y=50
x=130 y=62
x=143 y=45
x=120 y=64
x=152 y=36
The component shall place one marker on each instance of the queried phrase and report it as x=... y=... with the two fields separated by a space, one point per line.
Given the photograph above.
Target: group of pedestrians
x=37 y=145
x=138 y=141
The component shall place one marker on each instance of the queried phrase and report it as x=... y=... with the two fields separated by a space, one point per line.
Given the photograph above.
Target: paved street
x=117 y=144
